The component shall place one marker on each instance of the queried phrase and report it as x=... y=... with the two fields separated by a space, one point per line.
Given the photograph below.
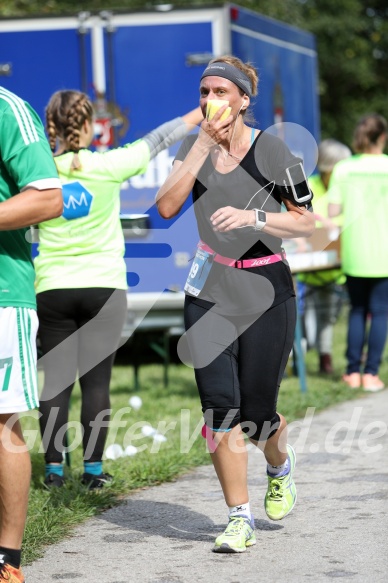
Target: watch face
x=261 y=219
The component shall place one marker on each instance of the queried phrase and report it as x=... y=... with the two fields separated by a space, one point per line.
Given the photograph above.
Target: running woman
x=240 y=304
x=30 y=192
x=81 y=276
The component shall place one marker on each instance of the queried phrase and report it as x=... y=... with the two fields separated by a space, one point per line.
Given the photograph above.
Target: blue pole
x=299 y=356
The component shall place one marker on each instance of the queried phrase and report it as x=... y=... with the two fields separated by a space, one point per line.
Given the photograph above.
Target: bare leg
x=230 y=460
x=275 y=448
x=15 y=475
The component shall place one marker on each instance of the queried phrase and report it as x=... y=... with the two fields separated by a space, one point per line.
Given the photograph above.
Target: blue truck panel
x=159 y=85
x=43 y=61
x=270 y=28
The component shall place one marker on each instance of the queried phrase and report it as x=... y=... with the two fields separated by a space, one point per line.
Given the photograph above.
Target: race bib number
x=199 y=272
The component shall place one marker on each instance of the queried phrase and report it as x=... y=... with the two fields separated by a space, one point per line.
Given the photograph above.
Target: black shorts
x=239 y=364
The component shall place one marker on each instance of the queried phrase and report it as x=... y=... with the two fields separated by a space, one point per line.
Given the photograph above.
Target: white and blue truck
x=143 y=68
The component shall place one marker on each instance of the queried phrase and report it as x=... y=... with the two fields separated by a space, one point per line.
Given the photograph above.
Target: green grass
x=52 y=514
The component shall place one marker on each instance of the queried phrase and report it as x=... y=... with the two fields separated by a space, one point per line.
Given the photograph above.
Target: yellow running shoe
x=238 y=535
x=281 y=493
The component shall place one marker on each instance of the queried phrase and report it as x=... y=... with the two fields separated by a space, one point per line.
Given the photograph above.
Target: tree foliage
x=352 y=42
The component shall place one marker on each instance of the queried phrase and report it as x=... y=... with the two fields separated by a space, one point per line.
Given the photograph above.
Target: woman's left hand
x=228 y=218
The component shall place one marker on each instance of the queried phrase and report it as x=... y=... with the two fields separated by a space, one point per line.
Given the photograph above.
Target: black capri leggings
x=241 y=383
x=79 y=331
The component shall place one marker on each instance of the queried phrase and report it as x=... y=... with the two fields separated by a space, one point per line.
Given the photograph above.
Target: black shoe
x=94 y=481
x=325 y=364
x=54 y=481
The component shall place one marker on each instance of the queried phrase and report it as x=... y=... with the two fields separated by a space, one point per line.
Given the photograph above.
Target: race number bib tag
x=199 y=272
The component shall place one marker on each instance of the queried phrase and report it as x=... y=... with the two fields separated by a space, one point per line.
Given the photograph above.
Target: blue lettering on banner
x=77 y=201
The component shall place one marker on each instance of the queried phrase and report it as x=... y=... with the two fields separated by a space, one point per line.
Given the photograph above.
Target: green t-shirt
x=85 y=246
x=25 y=162
x=360 y=185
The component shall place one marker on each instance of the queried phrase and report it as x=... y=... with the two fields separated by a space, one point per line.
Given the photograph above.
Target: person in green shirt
x=321 y=290
x=359 y=190
x=81 y=276
x=30 y=192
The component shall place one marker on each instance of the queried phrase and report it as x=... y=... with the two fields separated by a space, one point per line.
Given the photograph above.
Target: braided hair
x=66 y=113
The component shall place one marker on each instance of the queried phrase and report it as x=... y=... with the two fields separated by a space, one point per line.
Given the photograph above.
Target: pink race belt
x=242 y=263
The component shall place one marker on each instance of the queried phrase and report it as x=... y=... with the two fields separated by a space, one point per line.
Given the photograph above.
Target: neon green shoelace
x=234 y=526
x=276 y=486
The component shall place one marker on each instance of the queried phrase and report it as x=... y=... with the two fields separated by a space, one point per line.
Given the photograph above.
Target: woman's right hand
x=173 y=193
x=215 y=131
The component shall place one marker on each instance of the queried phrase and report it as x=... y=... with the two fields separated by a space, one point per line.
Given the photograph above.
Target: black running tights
x=79 y=333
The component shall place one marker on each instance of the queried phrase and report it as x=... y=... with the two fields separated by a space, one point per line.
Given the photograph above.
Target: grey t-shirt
x=257 y=182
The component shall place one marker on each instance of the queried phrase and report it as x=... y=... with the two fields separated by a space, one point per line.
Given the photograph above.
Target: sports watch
x=261 y=219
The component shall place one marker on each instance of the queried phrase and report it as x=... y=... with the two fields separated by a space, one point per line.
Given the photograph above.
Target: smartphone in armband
x=297 y=181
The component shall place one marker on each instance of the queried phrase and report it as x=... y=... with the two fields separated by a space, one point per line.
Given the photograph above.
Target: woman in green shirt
x=81 y=276
x=359 y=189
